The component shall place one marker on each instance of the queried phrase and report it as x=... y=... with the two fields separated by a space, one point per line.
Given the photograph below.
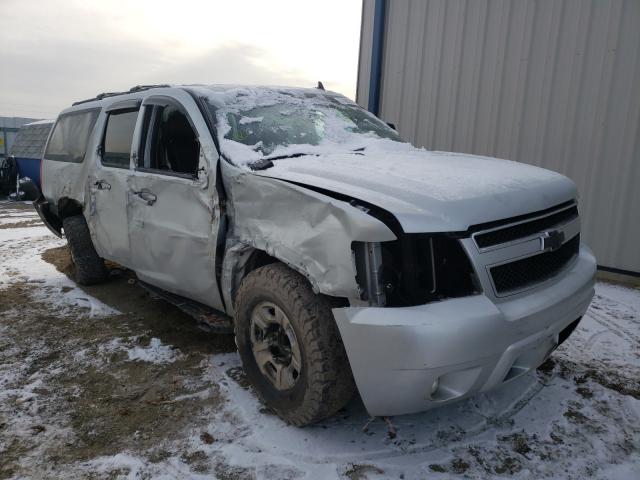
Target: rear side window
x=70 y=137
x=118 y=137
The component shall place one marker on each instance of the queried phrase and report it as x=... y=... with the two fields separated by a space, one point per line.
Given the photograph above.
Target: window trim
x=163 y=101
x=168 y=173
x=125 y=105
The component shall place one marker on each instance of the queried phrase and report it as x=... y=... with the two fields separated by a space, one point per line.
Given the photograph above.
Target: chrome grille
x=520 y=274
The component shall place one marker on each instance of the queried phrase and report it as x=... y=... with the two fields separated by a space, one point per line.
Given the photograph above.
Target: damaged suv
x=341 y=257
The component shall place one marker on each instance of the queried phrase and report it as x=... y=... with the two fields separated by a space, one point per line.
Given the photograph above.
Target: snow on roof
x=260 y=95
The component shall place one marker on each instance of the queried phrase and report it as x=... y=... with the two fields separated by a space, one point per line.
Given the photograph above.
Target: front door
x=172 y=223
x=108 y=184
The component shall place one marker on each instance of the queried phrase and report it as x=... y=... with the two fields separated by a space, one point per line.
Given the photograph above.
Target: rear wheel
x=290 y=346
x=89 y=267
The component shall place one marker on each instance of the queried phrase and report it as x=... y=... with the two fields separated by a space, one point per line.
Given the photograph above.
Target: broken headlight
x=413 y=270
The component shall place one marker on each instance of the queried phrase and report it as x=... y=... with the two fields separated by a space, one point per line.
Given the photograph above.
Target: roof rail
x=137 y=88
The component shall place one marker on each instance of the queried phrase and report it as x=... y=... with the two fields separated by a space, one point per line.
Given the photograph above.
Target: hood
x=431 y=191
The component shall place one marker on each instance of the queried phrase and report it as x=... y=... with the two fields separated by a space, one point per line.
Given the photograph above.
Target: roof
x=109 y=97
x=31 y=139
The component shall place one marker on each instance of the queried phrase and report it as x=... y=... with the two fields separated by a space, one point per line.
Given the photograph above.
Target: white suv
x=340 y=256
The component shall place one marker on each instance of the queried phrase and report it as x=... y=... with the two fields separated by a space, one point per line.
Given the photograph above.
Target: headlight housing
x=413 y=270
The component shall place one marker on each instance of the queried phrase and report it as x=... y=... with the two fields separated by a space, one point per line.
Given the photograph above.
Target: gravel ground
x=108 y=382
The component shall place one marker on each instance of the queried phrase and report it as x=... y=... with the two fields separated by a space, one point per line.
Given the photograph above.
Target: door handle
x=102 y=185
x=147 y=196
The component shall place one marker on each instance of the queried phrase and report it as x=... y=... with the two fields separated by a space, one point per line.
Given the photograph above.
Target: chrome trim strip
x=509 y=225
x=526 y=247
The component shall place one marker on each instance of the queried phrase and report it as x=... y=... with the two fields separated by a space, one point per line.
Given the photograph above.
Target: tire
x=324 y=383
x=89 y=267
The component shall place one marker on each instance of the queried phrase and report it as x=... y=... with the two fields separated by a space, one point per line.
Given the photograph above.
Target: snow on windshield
x=258 y=123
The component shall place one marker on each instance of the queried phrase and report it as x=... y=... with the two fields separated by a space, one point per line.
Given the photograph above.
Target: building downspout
x=377 y=50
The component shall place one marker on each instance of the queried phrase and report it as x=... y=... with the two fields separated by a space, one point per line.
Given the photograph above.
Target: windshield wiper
x=292 y=155
x=261 y=164
x=265 y=163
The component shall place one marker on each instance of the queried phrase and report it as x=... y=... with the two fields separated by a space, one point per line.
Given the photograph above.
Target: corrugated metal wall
x=550 y=83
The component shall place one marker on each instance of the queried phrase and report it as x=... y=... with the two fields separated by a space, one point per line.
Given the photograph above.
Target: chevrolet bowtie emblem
x=552 y=240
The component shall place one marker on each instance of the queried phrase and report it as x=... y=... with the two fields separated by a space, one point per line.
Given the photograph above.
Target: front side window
x=70 y=137
x=118 y=137
x=171 y=144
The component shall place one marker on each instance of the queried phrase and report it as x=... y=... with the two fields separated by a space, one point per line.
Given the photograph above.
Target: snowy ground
x=107 y=382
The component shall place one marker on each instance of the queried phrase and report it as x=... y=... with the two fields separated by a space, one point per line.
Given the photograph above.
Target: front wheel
x=290 y=346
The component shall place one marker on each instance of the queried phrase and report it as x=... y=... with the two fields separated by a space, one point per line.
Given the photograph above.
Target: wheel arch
x=52 y=214
x=239 y=261
x=68 y=207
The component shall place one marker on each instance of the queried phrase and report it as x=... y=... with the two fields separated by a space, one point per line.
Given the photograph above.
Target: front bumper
x=410 y=359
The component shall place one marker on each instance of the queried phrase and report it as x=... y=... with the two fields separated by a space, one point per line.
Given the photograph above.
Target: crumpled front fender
x=309 y=231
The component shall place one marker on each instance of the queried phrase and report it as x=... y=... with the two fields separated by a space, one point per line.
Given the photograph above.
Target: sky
x=54 y=52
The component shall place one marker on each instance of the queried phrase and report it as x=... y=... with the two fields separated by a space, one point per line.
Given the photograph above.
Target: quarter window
x=118 y=138
x=70 y=137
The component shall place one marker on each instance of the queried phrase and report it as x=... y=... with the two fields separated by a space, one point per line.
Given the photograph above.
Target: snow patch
x=156 y=352
x=127 y=466
x=22 y=261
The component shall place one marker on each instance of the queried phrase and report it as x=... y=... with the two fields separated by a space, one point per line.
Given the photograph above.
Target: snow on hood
x=426 y=191
x=430 y=191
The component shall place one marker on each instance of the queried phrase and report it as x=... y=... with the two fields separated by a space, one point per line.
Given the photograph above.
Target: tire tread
x=89 y=267
x=329 y=378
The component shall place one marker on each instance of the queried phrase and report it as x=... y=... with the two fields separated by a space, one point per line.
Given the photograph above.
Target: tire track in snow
x=613 y=326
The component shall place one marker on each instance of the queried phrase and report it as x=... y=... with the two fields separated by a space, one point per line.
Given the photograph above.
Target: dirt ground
x=110 y=382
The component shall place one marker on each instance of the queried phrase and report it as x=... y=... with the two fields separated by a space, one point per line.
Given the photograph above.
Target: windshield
x=255 y=124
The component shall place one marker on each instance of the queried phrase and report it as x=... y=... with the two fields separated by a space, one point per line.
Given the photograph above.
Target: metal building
x=550 y=83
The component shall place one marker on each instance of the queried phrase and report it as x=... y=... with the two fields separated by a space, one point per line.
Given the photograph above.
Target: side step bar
x=210 y=320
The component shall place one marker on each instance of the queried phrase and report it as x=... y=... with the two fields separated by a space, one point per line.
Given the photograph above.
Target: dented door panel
x=173 y=237
x=173 y=220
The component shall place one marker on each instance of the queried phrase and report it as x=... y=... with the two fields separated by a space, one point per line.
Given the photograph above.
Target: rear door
x=173 y=225
x=108 y=183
